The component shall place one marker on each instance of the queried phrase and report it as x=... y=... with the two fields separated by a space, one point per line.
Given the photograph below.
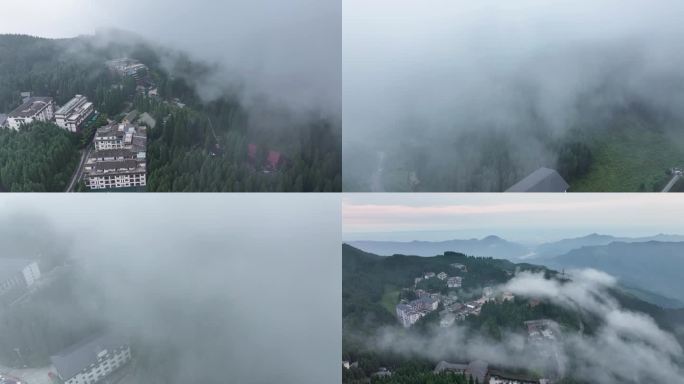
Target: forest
x=199 y=145
x=37 y=158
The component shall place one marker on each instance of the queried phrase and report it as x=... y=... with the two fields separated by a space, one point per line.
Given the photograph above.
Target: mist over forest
x=203 y=287
x=474 y=96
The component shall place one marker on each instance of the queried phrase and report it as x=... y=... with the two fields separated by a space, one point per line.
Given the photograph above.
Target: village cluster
x=117 y=158
x=409 y=312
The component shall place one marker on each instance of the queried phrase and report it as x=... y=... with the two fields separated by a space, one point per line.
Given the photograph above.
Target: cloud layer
x=627 y=347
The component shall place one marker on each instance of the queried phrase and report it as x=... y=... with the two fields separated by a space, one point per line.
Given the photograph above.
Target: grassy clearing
x=630 y=158
x=390 y=298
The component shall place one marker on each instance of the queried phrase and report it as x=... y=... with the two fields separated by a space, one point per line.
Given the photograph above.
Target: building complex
x=119 y=158
x=127 y=67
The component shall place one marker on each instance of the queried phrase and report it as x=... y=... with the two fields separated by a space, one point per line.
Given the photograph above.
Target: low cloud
x=627 y=346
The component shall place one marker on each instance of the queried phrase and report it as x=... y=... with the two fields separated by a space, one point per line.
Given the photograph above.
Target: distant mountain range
x=493 y=246
x=650 y=267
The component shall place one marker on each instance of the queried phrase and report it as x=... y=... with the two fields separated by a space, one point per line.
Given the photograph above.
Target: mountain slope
x=652 y=265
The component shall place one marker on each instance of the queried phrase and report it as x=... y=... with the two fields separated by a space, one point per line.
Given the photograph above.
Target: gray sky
x=444 y=61
x=289 y=50
x=236 y=282
x=516 y=217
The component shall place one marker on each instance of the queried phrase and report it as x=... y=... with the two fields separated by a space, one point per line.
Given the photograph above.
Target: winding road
x=672 y=182
x=77 y=173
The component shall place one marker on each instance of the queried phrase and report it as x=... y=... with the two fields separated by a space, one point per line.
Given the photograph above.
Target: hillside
x=566 y=245
x=200 y=144
x=374 y=338
x=654 y=266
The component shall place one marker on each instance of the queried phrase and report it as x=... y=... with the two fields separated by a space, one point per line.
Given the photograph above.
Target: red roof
x=273 y=159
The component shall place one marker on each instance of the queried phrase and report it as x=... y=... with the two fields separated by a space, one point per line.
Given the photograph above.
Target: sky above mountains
x=528 y=218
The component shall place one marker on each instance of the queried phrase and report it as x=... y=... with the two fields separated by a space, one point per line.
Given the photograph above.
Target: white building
x=429 y=275
x=72 y=114
x=119 y=159
x=442 y=276
x=33 y=109
x=408 y=315
x=17 y=273
x=91 y=360
x=454 y=282
x=127 y=67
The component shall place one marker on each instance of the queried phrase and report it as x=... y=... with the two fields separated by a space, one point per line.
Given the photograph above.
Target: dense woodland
x=38 y=158
x=200 y=146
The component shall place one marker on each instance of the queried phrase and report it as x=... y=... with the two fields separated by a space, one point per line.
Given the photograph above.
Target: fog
x=287 y=52
x=474 y=92
x=210 y=288
x=627 y=347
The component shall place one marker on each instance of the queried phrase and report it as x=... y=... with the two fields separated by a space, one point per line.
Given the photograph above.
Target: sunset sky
x=516 y=217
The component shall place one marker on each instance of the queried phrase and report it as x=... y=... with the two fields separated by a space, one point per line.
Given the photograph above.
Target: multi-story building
x=442 y=276
x=17 y=274
x=72 y=114
x=119 y=159
x=91 y=360
x=429 y=275
x=127 y=67
x=454 y=282
x=33 y=109
x=409 y=313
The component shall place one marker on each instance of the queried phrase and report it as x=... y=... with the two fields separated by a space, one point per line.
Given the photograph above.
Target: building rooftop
x=72 y=104
x=72 y=360
x=31 y=107
x=541 y=180
x=9 y=267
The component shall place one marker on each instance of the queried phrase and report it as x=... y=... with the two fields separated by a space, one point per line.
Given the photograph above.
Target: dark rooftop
x=72 y=360
x=32 y=106
x=541 y=180
x=115 y=152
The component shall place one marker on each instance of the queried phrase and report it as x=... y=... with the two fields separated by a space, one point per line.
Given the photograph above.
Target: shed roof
x=541 y=180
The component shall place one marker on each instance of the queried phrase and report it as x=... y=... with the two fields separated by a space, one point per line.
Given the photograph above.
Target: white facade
x=120 y=158
x=107 y=362
x=34 y=109
x=454 y=282
x=117 y=181
x=31 y=273
x=442 y=276
x=74 y=113
x=23 y=276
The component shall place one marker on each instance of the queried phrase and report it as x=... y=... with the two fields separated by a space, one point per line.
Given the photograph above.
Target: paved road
x=77 y=173
x=671 y=183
